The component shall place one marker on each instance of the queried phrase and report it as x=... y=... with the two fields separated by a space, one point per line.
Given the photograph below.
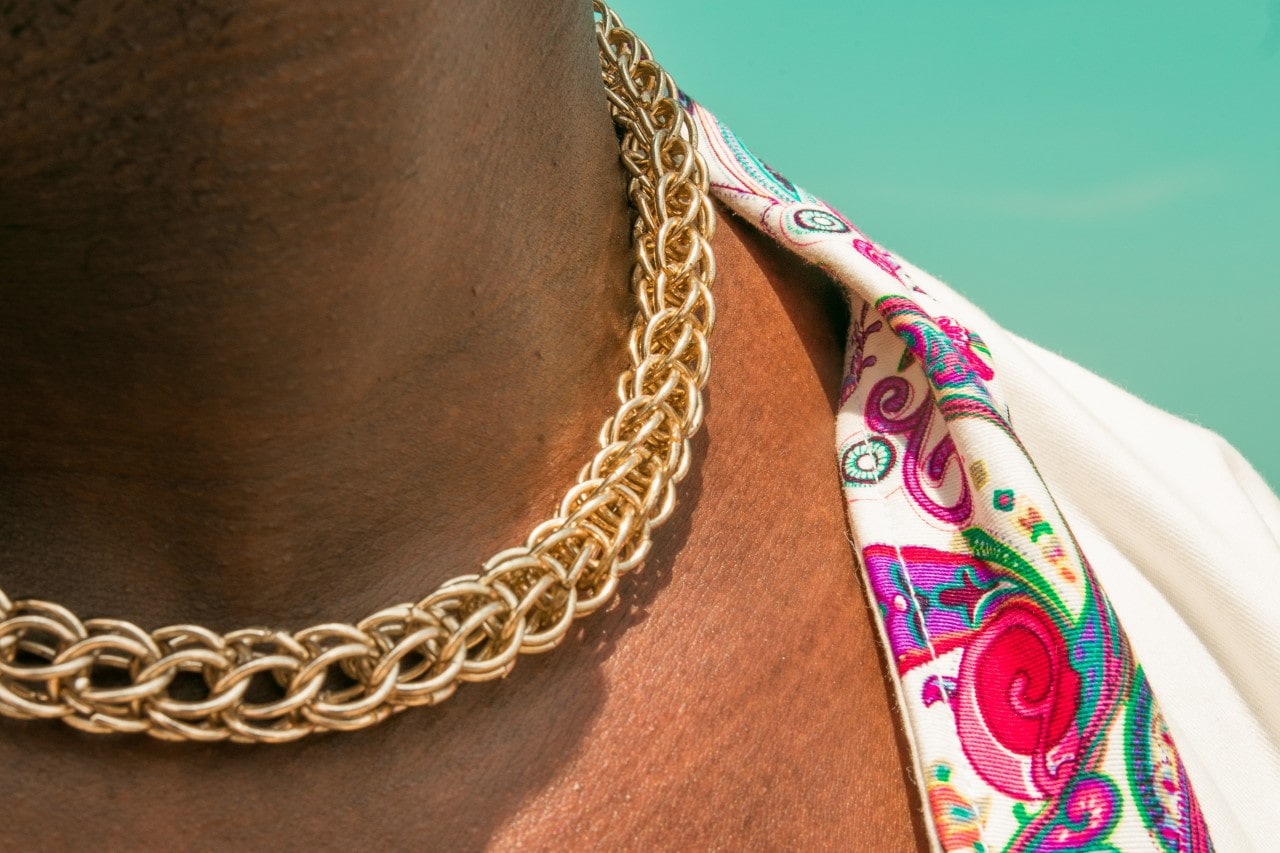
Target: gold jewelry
x=185 y=682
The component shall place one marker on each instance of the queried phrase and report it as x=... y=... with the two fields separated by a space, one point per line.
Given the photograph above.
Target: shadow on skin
x=467 y=765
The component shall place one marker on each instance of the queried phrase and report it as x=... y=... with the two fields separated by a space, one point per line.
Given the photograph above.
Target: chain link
x=185 y=682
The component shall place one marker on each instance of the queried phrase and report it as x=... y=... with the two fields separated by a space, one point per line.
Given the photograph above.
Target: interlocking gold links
x=185 y=682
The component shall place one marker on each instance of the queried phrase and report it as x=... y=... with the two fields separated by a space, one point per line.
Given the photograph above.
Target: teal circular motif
x=817 y=219
x=868 y=461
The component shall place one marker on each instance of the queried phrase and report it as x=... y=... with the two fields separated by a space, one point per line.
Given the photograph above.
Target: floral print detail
x=959 y=822
x=948 y=356
x=1085 y=820
x=1156 y=771
x=970 y=346
x=1032 y=721
x=860 y=331
x=929 y=600
x=759 y=175
x=879 y=257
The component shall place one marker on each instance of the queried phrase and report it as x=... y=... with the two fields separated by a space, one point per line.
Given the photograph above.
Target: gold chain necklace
x=185 y=682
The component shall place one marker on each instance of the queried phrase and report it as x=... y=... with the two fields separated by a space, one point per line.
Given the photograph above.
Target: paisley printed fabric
x=1032 y=724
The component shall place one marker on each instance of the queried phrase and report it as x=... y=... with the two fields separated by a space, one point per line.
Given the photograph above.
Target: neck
x=303 y=316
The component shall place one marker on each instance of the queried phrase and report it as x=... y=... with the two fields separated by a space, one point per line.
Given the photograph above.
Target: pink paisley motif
x=878 y=256
x=1016 y=701
x=965 y=342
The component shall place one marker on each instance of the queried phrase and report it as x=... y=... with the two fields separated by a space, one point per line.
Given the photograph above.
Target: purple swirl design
x=886 y=414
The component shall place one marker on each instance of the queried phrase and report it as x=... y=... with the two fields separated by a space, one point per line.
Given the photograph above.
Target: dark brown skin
x=310 y=307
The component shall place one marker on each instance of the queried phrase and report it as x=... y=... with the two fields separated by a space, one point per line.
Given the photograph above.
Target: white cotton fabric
x=1184 y=536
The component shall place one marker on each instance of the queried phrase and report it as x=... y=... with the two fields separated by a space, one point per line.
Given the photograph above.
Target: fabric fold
x=1033 y=724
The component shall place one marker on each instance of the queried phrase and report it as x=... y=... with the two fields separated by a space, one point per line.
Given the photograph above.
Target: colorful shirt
x=1032 y=722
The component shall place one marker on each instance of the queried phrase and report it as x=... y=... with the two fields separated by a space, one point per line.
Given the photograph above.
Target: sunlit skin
x=311 y=307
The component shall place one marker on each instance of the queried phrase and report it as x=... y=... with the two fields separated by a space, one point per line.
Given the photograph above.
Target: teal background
x=1100 y=177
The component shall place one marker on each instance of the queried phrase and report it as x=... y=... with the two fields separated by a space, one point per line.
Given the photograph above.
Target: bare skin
x=307 y=313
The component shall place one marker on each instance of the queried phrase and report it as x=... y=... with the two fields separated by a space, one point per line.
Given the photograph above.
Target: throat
x=357 y=333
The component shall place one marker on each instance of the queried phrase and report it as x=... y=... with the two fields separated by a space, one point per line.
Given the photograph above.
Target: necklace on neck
x=186 y=682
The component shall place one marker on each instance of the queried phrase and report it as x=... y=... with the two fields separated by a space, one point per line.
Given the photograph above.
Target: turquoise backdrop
x=1101 y=177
